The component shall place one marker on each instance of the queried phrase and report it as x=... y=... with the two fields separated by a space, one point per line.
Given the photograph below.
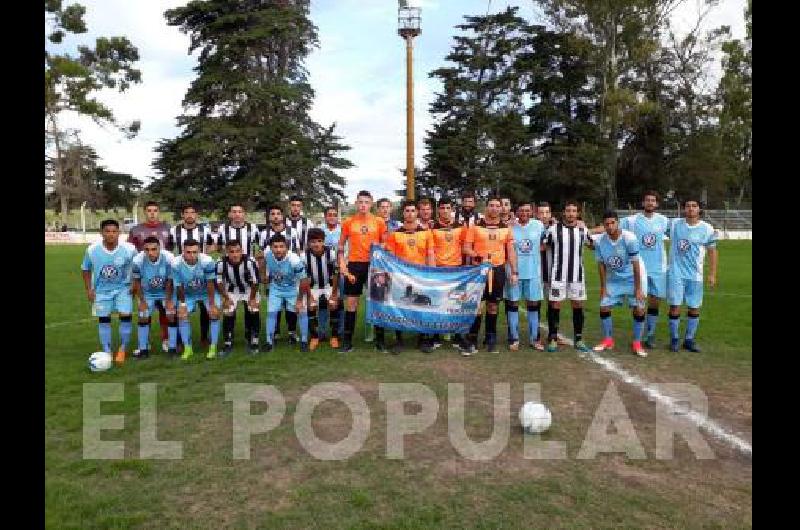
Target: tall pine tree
x=247 y=134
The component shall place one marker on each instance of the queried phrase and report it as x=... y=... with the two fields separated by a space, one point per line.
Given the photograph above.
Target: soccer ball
x=535 y=418
x=99 y=361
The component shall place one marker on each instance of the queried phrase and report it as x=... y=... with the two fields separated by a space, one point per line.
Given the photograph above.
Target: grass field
x=283 y=486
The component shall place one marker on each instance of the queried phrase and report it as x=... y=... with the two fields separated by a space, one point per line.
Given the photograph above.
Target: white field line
x=713 y=428
x=59 y=324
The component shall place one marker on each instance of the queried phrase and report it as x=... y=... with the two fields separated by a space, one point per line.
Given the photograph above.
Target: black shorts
x=498 y=284
x=360 y=270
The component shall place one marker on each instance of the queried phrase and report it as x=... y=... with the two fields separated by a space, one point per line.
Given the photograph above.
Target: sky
x=358 y=73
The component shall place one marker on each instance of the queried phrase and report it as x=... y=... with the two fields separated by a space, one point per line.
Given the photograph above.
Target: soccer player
x=414 y=244
x=323 y=275
x=507 y=212
x=106 y=270
x=384 y=207
x=277 y=225
x=425 y=213
x=193 y=278
x=360 y=232
x=567 y=279
x=239 y=229
x=490 y=240
x=238 y=281
x=332 y=228
x=299 y=224
x=528 y=235
x=691 y=239
x=448 y=244
x=189 y=229
x=650 y=228
x=467 y=215
x=622 y=276
x=150 y=272
x=152 y=227
x=333 y=231
x=285 y=273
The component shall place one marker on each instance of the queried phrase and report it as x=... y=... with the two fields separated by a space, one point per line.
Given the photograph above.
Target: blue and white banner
x=409 y=297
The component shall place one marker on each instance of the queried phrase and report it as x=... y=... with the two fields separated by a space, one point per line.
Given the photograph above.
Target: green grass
x=283 y=486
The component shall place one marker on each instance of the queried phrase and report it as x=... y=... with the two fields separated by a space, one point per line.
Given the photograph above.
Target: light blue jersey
x=617 y=256
x=688 y=250
x=649 y=232
x=111 y=269
x=194 y=278
x=332 y=236
x=285 y=274
x=527 y=241
x=153 y=275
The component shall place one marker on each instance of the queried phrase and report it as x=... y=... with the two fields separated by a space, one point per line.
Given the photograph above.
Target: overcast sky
x=358 y=73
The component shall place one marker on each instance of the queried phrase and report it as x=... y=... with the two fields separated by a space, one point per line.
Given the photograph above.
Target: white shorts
x=326 y=292
x=240 y=297
x=560 y=291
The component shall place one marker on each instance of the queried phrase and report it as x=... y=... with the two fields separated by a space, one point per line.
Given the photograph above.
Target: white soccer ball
x=100 y=361
x=535 y=418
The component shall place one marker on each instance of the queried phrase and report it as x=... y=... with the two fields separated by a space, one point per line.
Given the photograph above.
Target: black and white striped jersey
x=322 y=269
x=287 y=232
x=238 y=278
x=247 y=235
x=567 y=244
x=179 y=233
x=300 y=228
x=467 y=219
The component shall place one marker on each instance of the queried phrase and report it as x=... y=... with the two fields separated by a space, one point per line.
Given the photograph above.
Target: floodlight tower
x=408 y=21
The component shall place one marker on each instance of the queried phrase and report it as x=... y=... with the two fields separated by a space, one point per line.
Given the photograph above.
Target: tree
x=625 y=34
x=246 y=130
x=479 y=140
x=735 y=97
x=71 y=82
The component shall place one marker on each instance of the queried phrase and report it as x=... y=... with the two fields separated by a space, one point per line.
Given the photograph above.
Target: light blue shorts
x=616 y=293
x=680 y=291
x=192 y=301
x=530 y=290
x=120 y=301
x=657 y=285
x=278 y=298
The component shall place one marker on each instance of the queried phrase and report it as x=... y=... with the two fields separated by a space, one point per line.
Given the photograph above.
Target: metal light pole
x=408 y=20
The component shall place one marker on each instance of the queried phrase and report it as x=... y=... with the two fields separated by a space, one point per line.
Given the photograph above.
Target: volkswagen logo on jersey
x=109 y=272
x=683 y=245
x=614 y=262
x=195 y=284
x=525 y=246
x=156 y=282
x=649 y=240
x=277 y=277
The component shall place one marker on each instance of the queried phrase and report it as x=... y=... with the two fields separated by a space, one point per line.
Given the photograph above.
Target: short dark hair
x=151 y=239
x=381 y=201
x=191 y=243
x=363 y=193
x=407 y=203
x=150 y=203
x=316 y=234
x=277 y=238
x=331 y=208
x=493 y=198
x=235 y=204
x=233 y=243
x=693 y=198
x=187 y=206
x=651 y=193
x=109 y=222
x=445 y=200
x=543 y=204
x=572 y=202
x=610 y=214
x=523 y=202
x=467 y=194
x=424 y=200
x=296 y=198
x=274 y=207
